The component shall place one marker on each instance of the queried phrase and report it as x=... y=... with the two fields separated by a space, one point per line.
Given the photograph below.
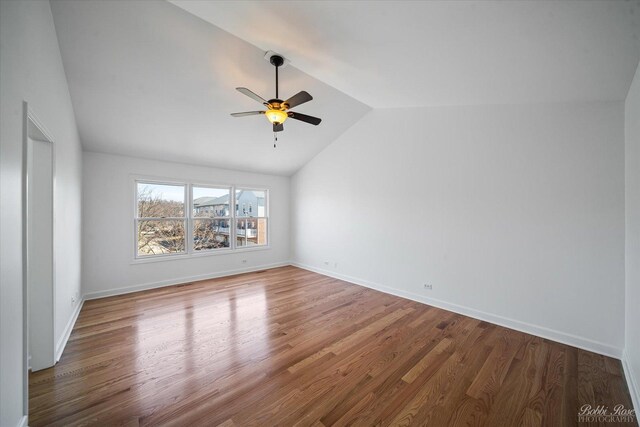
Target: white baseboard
x=177 y=281
x=631 y=376
x=62 y=342
x=23 y=422
x=541 y=331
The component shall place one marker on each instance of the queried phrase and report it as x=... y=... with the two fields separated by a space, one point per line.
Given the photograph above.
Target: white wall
x=108 y=243
x=513 y=213
x=632 y=233
x=31 y=70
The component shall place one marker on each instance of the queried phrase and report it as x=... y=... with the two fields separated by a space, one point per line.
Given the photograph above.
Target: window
x=161 y=219
x=182 y=218
x=251 y=217
x=211 y=218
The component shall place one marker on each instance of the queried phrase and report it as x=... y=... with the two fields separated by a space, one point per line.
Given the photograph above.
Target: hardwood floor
x=290 y=347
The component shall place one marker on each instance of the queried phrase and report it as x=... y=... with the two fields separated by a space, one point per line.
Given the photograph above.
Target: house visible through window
x=182 y=218
x=251 y=221
x=211 y=218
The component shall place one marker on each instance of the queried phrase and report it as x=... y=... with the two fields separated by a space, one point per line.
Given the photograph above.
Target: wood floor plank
x=290 y=347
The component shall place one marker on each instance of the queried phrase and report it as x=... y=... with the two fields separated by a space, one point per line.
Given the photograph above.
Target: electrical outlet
x=428 y=287
x=73 y=300
x=326 y=263
x=244 y=261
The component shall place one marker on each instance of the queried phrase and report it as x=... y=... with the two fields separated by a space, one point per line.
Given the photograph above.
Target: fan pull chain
x=275 y=139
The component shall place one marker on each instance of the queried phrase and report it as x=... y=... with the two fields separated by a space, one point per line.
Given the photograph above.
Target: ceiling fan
x=278 y=110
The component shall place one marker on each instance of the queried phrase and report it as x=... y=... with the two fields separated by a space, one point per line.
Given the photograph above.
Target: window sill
x=177 y=257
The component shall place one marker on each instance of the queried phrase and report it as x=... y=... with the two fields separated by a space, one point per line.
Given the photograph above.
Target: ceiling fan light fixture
x=278 y=111
x=276 y=116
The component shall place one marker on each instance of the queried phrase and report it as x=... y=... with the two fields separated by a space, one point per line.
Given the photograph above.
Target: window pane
x=251 y=232
x=210 y=234
x=161 y=237
x=251 y=203
x=160 y=200
x=210 y=202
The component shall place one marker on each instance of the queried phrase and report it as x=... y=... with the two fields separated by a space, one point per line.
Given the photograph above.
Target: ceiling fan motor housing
x=278 y=104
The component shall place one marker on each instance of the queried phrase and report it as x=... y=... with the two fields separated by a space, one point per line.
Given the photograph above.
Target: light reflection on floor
x=237 y=325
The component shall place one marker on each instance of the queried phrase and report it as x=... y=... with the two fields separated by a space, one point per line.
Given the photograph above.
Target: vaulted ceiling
x=431 y=53
x=149 y=80
x=157 y=80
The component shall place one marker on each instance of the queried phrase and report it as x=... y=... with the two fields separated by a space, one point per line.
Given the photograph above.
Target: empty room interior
x=319 y=213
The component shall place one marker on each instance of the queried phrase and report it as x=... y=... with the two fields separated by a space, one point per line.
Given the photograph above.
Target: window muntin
x=183 y=218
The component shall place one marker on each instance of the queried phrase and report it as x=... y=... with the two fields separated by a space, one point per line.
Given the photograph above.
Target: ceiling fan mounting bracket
x=270 y=54
x=276 y=60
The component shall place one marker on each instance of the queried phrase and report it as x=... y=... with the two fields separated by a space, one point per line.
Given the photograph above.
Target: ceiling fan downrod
x=277 y=61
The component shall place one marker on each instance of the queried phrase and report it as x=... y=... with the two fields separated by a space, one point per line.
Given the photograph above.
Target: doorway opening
x=38 y=248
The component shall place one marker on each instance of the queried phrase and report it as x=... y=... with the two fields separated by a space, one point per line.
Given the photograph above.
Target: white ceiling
x=412 y=53
x=148 y=79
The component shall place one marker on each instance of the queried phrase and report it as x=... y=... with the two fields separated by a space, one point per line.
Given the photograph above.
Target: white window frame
x=189 y=219
x=266 y=213
x=192 y=218
x=137 y=219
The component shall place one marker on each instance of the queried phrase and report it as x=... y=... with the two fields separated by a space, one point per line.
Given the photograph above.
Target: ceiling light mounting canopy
x=270 y=53
x=278 y=110
x=276 y=60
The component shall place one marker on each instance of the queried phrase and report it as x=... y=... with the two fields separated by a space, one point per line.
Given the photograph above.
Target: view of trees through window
x=161 y=219
x=166 y=215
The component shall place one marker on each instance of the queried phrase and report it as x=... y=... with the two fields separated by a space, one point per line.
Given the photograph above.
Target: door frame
x=34 y=129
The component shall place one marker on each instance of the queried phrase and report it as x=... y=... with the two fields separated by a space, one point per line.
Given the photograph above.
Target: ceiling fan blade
x=304 y=118
x=252 y=95
x=247 y=113
x=278 y=127
x=298 y=98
